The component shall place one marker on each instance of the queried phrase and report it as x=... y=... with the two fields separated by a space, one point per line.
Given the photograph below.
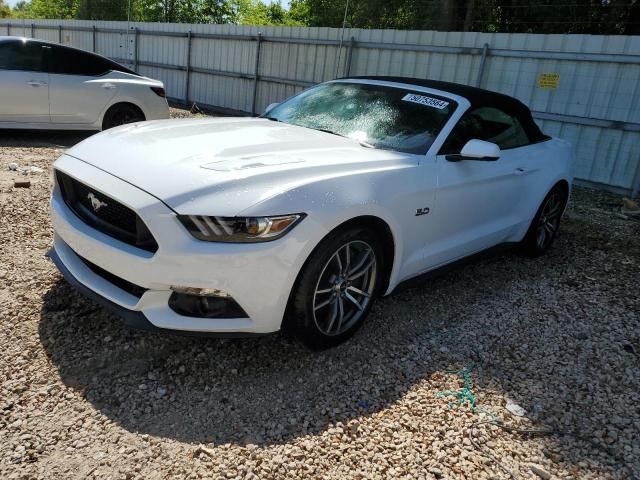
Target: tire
x=121 y=114
x=323 y=312
x=545 y=225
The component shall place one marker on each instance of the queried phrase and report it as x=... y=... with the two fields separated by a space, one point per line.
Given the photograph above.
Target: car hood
x=221 y=166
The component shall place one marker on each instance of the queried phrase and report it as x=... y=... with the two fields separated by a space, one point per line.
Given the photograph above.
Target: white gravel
x=83 y=397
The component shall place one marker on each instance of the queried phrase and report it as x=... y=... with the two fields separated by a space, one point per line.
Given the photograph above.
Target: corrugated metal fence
x=583 y=88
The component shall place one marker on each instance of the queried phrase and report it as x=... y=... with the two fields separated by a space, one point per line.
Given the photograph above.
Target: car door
x=80 y=87
x=479 y=203
x=24 y=82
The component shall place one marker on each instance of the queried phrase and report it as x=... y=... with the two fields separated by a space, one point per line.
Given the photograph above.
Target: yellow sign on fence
x=548 y=80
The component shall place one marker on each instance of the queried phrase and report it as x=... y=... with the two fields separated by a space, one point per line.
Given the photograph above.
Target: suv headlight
x=239 y=229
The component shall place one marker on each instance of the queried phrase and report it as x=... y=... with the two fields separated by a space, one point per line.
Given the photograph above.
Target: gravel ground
x=83 y=397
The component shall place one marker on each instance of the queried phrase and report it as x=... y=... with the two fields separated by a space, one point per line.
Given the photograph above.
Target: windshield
x=377 y=116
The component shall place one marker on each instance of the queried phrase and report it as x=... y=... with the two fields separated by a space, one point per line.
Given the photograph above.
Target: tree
x=535 y=16
x=103 y=10
x=5 y=11
x=399 y=14
x=63 y=9
x=256 y=12
x=22 y=9
x=185 y=11
x=299 y=11
x=568 y=16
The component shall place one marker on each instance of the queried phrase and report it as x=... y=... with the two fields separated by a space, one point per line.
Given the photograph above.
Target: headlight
x=239 y=229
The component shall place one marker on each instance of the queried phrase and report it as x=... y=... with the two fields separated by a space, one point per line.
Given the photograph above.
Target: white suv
x=50 y=86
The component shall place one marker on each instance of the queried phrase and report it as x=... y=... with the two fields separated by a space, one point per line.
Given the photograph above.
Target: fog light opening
x=213 y=304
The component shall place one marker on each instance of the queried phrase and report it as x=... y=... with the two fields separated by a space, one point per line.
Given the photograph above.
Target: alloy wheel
x=345 y=288
x=549 y=220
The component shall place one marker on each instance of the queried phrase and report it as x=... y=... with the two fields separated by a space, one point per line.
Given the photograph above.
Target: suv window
x=26 y=56
x=70 y=61
x=489 y=124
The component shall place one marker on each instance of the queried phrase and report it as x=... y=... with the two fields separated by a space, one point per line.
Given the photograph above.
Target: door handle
x=35 y=83
x=519 y=171
x=108 y=86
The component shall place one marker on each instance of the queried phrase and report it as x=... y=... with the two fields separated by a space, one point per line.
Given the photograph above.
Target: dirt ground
x=81 y=396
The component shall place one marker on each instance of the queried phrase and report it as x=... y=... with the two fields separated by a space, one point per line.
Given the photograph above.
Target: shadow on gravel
x=529 y=328
x=42 y=138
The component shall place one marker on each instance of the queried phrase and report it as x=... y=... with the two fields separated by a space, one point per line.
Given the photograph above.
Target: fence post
x=59 y=33
x=8 y=28
x=135 y=49
x=33 y=31
x=93 y=38
x=347 y=60
x=635 y=187
x=483 y=61
x=188 y=69
x=255 y=76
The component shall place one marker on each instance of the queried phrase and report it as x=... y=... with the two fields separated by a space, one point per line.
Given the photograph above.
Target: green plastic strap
x=464 y=395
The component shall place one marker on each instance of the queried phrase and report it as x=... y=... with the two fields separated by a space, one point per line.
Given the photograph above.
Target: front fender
x=332 y=202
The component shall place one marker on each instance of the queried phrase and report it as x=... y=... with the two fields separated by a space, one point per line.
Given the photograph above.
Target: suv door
x=24 y=82
x=479 y=203
x=80 y=87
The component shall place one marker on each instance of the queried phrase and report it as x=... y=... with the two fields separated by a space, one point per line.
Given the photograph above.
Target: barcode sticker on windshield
x=428 y=101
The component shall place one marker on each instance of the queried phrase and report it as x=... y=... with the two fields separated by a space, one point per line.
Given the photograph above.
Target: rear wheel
x=336 y=288
x=121 y=114
x=544 y=227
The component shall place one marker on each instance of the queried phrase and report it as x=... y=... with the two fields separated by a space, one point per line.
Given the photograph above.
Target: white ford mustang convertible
x=298 y=220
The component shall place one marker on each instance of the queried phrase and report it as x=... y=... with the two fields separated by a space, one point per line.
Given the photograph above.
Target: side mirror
x=477 y=150
x=271 y=107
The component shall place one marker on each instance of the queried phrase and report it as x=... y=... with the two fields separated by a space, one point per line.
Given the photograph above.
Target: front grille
x=105 y=214
x=135 y=290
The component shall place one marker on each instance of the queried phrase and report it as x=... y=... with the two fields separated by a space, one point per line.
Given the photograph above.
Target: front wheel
x=544 y=227
x=336 y=288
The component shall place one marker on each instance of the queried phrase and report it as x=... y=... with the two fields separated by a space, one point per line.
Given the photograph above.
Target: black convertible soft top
x=478 y=97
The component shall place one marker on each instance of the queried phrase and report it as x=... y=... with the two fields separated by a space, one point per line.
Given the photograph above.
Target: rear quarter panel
x=137 y=91
x=551 y=162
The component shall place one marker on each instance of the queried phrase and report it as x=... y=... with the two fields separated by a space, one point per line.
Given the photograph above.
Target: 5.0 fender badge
x=422 y=211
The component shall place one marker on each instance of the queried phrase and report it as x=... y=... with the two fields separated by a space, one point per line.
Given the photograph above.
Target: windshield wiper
x=361 y=142
x=326 y=130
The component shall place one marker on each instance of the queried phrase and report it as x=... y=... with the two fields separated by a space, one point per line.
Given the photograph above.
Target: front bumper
x=258 y=277
x=131 y=318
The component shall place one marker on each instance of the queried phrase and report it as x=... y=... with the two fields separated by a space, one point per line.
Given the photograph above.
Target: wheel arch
x=371 y=222
x=380 y=226
x=120 y=102
x=564 y=184
x=566 y=187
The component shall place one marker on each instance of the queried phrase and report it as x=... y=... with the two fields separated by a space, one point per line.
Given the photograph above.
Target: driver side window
x=489 y=124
